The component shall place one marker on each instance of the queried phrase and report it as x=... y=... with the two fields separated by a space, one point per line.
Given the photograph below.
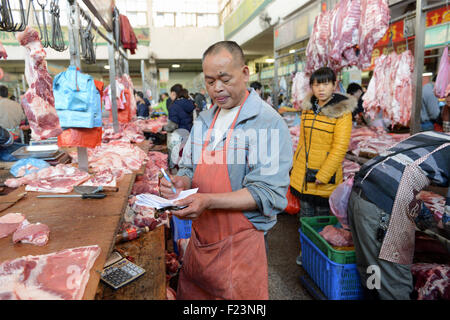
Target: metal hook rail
x=57 y=42
x=7 y=19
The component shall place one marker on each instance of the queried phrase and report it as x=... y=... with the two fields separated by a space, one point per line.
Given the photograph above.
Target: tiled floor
x=284 y=273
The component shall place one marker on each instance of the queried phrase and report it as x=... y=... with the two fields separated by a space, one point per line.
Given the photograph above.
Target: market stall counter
x=76 y=222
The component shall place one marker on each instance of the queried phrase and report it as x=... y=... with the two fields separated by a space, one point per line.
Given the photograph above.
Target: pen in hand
x=168 y=179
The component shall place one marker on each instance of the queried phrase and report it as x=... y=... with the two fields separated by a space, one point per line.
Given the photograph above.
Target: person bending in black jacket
x=6 y=138
x=356 y=90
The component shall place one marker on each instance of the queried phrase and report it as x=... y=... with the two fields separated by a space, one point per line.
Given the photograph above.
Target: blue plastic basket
x=337 y=281
x=181 y=229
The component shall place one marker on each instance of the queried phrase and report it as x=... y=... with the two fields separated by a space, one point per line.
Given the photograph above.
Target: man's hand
x=197 y=203
x=180 y=184
x=318 y=182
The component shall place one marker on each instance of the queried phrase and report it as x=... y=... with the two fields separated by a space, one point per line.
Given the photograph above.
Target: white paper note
x=153 y=201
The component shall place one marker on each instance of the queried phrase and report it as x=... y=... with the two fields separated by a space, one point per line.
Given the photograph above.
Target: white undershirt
x=223 y=123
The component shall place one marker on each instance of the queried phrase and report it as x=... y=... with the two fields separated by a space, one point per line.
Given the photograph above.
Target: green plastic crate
x=311 y=226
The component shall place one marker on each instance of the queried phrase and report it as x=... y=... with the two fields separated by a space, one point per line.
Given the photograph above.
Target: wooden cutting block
x=9 y=200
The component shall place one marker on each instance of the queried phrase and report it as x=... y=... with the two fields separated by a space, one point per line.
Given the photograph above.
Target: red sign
x=435 y=17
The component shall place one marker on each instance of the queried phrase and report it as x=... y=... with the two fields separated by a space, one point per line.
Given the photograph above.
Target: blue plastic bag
x=77 y=100
x=38 y=163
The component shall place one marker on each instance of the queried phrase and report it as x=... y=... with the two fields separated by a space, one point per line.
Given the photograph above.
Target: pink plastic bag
x=443 y=77
x=339 y=200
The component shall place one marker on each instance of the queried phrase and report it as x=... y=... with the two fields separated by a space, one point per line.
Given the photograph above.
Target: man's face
x=225 y=79
x=258 y=91
x=173 y=95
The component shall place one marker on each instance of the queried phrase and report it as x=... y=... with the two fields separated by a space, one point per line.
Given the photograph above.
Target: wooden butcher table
x=76 y=222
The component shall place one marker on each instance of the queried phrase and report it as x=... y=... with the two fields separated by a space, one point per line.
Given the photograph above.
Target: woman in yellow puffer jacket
x=326 y=125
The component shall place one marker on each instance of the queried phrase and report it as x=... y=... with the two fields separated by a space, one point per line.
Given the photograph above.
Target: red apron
x=226 y=256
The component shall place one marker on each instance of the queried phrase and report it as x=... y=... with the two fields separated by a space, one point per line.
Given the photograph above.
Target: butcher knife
x=93 y=189
x=82 y=196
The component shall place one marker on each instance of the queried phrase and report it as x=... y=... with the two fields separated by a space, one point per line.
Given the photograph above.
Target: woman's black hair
x=323 y=75
x=140 y=94
x=183 y=94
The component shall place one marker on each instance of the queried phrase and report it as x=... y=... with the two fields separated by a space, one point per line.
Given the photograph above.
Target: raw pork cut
x=443 y=75
x=154 y=126
x=349 y=169
x=336 y=236
x=38 y=101
x=128 y=132
x=118 y=156
x=9 y=223
x=300 y=88
x=432 y=281
x=182 y=246
x=435 y=202
x=295 y=136
x=170 y=294
x=317 y=48
x=146 y=216
x=148 y=182
x=33 y=233
x=59 y=179
x=127 y=83
x=172 y=264
x=373 y=26
x=61 y=275
x=104 y=178
x=3 y=53
x=344 y=34
x=393 y=77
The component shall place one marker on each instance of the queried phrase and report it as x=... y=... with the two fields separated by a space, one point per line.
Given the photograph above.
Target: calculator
x=119 y=271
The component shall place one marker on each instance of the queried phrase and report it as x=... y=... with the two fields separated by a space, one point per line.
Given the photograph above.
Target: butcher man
x=239 y=154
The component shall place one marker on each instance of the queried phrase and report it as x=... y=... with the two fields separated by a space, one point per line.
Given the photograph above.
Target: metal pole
x=143 y=74
x=74 y=34
x=23 y=83
x=126 y=68
x=112 y=81
x=419 y=44
x=74 y=44
x=275 y=82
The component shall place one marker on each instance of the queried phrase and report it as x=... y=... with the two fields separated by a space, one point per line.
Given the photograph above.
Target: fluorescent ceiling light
x=292 y=51
x=270 y=60
x=175 y=66
x=427 y=74
x=107 y=67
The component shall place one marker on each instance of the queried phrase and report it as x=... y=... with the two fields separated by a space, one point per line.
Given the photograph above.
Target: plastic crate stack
x=333 y=271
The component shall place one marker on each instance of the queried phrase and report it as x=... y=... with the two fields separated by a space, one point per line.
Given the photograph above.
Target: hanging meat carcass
x=344 y=34
x=300 y=88
x=38 y=102
x=390 y=89
x=3 y=53
x=373 y=26
x=443 y=75
x=317 y=49
x=402 y=89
